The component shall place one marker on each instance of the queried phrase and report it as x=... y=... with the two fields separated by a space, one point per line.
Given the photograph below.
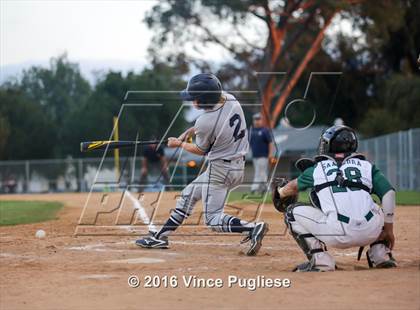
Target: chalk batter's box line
x=142 y=232
x=174 y=237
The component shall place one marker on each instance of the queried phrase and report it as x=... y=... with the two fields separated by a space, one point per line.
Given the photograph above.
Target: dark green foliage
x=152 y=116
x=59 y=89
x=398 y=106
x=51 y=110
x=25 y=130
x=378 y=65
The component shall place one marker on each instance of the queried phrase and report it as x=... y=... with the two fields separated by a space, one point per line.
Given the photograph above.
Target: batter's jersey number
x=236 y=121
x=352 y=174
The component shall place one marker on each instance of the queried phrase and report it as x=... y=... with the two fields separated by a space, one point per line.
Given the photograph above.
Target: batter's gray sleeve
x=203 y=134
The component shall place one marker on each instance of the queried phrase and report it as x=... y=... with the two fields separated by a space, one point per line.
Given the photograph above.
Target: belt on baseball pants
x=230 y=160
x=346 y=219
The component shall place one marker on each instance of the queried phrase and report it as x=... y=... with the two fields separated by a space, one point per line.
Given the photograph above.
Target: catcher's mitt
x=281 y=203
x=304 y=163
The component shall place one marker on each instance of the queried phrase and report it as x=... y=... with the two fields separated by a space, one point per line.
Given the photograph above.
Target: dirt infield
x=89 y=272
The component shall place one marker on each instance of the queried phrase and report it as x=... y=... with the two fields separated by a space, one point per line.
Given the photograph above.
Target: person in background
x=10 y=185
x=152 y=154
x=263 y=152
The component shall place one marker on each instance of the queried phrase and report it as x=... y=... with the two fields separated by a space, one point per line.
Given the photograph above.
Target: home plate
x=97 y=276
x=140 y=260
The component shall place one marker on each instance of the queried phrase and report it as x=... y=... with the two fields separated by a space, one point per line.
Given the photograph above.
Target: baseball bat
x=102 y=145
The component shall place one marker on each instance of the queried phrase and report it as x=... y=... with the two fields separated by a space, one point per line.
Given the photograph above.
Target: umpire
x=262 y=147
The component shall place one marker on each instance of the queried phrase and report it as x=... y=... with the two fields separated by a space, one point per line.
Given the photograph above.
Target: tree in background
x=397 y=106
x=93 y=120
x=59 y=89
x=25 y=131
x=392 y=32
x=51 y=110
x=56 y=92
x=259 y=35
x=4 y=134
x=263 y=35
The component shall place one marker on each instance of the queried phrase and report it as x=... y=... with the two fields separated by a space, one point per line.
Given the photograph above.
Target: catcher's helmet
x=205 y=88
x=338 y=139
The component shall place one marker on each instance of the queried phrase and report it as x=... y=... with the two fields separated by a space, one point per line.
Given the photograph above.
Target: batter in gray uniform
x=220 y=134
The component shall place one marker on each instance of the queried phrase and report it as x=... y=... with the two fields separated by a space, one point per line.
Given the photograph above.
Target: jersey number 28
x=237 y=135
x=352 y=174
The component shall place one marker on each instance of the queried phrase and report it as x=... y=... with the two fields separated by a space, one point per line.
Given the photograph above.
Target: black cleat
x=257 y=235
x=391 y=263
x=306 y=267
x=309 y=267
x=151 y=242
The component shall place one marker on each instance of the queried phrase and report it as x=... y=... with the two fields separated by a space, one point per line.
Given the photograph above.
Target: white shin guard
x=380 y=255
x=314 y=249
x=318 y=254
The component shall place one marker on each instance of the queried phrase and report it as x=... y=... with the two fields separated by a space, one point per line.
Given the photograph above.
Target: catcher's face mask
x=324 y=142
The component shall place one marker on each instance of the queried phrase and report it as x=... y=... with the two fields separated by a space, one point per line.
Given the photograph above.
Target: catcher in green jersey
x=342 y=213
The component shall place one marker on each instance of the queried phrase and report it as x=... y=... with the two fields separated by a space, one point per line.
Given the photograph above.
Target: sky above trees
x=39 y=30
x=34 y=31
x=92 y=29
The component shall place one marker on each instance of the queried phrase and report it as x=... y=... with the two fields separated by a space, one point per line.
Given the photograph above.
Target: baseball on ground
x=40 y=234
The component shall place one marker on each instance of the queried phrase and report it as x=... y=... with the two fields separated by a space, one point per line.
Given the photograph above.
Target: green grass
x=403 y=198
x=408 y=198
x=25 y=212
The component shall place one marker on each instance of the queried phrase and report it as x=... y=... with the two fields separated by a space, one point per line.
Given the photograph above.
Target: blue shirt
x=260 y=140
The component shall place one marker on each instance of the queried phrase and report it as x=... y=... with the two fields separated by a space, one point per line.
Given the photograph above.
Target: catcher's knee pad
x=309 y=244
x=289 y=217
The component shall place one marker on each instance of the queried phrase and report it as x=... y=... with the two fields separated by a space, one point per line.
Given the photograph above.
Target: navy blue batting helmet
x=205 y=88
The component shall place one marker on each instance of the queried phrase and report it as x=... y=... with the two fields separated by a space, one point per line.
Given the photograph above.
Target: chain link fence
x=397 y=155
x=78 y=175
